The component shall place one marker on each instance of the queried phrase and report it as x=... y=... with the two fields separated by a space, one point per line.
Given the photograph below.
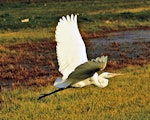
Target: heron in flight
x=74 y=65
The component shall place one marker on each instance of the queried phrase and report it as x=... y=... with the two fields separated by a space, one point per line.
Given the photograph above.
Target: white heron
x=73 y=63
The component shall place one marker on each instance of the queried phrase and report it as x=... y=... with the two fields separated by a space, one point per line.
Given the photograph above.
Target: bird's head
x=103 y=78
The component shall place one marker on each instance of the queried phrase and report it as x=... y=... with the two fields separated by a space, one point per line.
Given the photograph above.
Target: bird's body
x=74 y=65
x=89 y=81
x=84 y=74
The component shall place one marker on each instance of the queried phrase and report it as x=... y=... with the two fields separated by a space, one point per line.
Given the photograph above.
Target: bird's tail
x=60 y=83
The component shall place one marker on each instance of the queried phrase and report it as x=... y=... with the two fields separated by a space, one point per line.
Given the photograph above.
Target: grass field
x=126 y=98
x=94 y=16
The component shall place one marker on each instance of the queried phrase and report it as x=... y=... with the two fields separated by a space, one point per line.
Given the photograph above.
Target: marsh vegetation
x=28 y=63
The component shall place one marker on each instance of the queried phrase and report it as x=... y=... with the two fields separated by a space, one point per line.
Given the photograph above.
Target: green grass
x=25 y=35
x=94 y=16
x=126 y=98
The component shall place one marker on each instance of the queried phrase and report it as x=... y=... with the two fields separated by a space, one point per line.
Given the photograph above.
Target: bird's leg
x=47 y=94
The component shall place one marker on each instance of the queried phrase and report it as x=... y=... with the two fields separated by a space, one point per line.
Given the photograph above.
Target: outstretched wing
x=70 y=48
x=102 y=61
x=85 y=70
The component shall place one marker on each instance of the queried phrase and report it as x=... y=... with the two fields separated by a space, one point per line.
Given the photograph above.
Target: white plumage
x=71 y=50
x=71 y=54
x=77 y=71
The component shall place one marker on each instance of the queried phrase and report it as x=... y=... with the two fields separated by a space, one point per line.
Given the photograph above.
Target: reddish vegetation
x=36 y=63
x=30 y=62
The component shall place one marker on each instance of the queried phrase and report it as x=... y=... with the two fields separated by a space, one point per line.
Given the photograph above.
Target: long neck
x=103 y=82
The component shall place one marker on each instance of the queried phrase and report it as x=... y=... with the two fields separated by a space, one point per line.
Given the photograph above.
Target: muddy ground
x=36 y=63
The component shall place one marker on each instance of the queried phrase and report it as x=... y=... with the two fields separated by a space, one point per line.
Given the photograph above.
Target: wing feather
x=85 y=70
x=70 y=48
x=88 y=69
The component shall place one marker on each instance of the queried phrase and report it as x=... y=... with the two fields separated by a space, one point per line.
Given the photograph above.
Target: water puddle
x=125 y=44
